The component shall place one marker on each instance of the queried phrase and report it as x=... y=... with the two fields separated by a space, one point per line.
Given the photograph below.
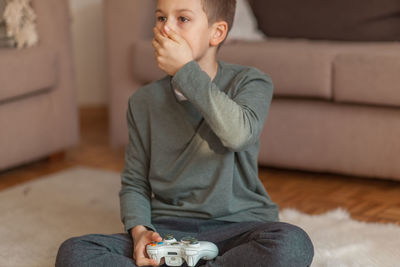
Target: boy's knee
x=296 y=246
x=291 y=245
x=73 y=251
x=65 y=253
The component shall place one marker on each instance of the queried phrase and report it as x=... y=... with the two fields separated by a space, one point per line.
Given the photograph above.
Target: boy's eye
x=183 y=19
x=163 y=19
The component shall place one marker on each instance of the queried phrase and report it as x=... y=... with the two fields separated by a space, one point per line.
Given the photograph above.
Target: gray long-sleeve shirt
x=197 y=157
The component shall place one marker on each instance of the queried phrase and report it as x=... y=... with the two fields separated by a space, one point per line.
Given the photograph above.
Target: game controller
x=189 y=249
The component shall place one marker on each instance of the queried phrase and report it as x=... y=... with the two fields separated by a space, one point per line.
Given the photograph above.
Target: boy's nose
x=169 y=25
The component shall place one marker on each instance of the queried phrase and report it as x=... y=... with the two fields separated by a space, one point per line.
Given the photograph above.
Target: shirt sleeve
x=237 y=120
x=135 y=193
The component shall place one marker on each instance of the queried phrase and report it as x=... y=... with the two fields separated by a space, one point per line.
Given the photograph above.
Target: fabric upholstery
x=354 y=20
x=44 y=121
x=323 y=136
x=368 y=78
x=38 y=67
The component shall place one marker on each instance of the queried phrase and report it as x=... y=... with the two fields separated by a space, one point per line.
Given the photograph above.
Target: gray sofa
x=38 y=102
x=336 y=104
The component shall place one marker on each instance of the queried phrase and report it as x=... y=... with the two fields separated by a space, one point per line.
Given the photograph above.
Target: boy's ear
x=218 y=33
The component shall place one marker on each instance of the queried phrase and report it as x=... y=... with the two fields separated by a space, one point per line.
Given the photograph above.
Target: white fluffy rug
x=38 y=216
x=340 y=241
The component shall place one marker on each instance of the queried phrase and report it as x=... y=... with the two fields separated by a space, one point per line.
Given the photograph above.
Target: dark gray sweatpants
x=252 y=244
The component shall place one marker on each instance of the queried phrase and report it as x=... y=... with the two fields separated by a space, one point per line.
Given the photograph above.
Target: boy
x=191 y=161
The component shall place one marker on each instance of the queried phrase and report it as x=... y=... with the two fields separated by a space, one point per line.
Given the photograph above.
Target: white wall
x=89 y=51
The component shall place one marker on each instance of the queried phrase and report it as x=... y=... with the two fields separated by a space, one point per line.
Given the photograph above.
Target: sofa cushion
x=298 y=68
x=327 y=137
x=354 y=20
x=368 y=78
x=26 y=71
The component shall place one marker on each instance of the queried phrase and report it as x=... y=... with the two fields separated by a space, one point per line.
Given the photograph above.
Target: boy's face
x=187 y=18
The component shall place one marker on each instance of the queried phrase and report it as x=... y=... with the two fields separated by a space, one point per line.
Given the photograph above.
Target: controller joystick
x=169 y=237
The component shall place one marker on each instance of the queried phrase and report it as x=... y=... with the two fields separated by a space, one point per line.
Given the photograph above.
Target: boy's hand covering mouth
x=172 y=51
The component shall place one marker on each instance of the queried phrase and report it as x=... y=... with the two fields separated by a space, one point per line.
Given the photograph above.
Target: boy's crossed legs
x=240 y=244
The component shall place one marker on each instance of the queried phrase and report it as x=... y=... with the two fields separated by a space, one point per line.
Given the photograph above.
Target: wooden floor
x=366 y=199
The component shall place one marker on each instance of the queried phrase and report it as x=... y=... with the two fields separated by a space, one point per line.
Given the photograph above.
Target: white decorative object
x=20 y=20
x=245 y=25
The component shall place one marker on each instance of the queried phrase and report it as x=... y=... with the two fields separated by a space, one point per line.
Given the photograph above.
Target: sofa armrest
x=26 y=71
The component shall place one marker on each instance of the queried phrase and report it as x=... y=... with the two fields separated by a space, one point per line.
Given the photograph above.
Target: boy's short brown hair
x=218 y=10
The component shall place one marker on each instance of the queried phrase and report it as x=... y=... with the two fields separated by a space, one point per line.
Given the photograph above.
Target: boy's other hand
x=141 y=237
x=172 y=51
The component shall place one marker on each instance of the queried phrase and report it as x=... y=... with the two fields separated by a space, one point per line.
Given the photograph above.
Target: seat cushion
x=297 y=67
x=327 y=137
x=368 y=78
x=26 y=71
